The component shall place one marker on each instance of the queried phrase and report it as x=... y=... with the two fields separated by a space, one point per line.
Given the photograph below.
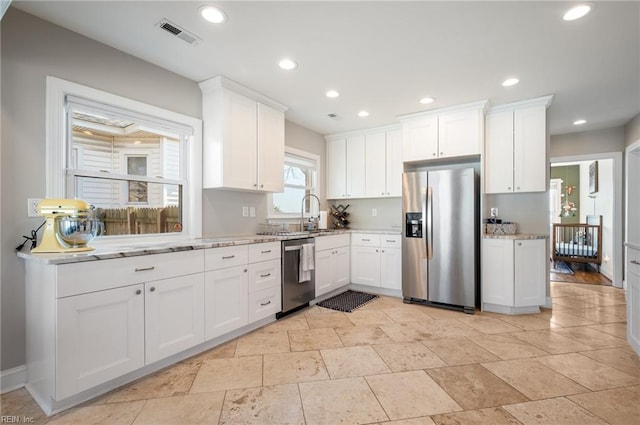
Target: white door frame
x=617 y=243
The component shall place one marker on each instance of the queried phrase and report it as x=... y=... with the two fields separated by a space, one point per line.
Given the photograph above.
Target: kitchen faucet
x=302 y=209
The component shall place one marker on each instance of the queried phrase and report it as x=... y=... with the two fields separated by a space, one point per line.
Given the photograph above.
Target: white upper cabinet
x=243 y=138
x=365 y=164
x=443 y=133
x=346 y=167
x=515 y=155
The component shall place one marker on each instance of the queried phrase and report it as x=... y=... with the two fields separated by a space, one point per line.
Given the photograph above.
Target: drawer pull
x=265 y=275
x=145 y=269
x=392 y=240
x=229 y=257
x=635 y=262
x=366 y=240
x=265 y=252
x=267 y=303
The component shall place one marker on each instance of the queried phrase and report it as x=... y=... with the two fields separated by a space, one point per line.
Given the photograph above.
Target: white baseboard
x=12 y=379
x=548 y=303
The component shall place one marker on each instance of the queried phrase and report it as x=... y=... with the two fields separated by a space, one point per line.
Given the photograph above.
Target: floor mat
x=561 y=267
x=347 y=301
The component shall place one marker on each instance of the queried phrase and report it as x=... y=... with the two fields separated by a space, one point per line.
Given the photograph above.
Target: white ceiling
x=385 y=56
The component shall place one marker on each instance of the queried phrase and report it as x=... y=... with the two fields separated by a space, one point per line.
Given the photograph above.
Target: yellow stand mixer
x=70 y=225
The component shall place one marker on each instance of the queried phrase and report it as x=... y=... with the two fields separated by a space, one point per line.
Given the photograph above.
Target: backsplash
x=388 y=212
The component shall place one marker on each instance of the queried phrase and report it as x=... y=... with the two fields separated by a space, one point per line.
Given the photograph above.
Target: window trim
x=306 y=155
x=56 y=138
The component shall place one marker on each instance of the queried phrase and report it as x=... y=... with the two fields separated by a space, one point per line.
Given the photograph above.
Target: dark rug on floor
x=561 y=267
x=347 y=301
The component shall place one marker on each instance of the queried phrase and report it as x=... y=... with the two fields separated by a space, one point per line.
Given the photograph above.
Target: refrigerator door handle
x=429 y=223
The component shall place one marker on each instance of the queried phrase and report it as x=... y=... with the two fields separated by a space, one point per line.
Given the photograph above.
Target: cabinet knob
x=246 y=270
x=388 y=193
x=377 y=250
x=509 y=188
x=255 y=185
x=152 y=289
x=441 y=153
x=261 y=185
x=519 y=243
x=434 y=154
x=518 y=188
x=138 y=292
x=634 y=262
x=382 y=193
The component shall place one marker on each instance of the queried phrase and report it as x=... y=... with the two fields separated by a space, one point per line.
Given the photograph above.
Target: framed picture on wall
x=593 y=177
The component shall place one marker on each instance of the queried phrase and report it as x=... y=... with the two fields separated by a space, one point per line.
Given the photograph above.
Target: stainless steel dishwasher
x=295 y=294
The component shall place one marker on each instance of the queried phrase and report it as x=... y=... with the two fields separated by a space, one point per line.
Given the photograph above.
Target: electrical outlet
x=374 y=212
x=494 y=212
x=252 y=211
x=245 y=211
x=32 y=207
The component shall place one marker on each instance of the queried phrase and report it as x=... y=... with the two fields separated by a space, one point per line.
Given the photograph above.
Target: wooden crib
x=579 y=242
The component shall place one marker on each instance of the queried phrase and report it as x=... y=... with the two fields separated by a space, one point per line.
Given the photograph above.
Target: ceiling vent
x=181 y=33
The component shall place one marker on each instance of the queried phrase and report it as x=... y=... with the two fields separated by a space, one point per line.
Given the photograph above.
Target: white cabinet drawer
x=391 y=241
x=333 y=241
x=228 y=256
x=264 y=303
x=265 y=274
x=365 y=239
x=264 y=251
x=91 y=276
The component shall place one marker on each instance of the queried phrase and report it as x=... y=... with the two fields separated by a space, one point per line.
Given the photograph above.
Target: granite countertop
x=632 y=245
x=515 y=236
x=108 y=252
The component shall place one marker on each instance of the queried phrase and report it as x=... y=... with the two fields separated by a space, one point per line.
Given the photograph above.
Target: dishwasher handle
x=293 y=248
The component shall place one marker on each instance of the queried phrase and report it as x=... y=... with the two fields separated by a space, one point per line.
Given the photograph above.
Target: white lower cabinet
x=100 y=336
x=514 y=275
x=633 y=298
x=331 y=263
x=174 y=315
x=265 y=293
x=376 y=260
x=226 y=293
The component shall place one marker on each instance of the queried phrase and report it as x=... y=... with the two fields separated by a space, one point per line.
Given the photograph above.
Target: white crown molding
x=344 y=134
x=482 y=104
x=544 y=100
x=220 y=81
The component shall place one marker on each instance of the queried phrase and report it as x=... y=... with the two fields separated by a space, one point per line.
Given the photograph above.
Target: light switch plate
x=374 y=212
x=245 y=211
x=252 y=211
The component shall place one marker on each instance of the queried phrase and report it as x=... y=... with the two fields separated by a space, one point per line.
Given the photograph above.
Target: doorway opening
x=585 y=219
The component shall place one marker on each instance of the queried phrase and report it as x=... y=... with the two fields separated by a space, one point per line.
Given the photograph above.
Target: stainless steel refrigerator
x=440 y=238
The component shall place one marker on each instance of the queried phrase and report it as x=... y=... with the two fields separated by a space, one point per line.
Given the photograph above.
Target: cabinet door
x=240 y=141
x=391 y=268
x=530 y=149
x=394 y=163
x=225 y=299
x=530 y=272
x=355 y=167
x=270 y=149
x=100 y=337
x=365 y=265
x=324 y=271
x=174 y=315
x=375 y=171
x=498 y=153
x=264 y=303
x=420 y=139
x=341 y=265
x=497 y=271
x=459 y=133
x=633 y=298
x=336 y=168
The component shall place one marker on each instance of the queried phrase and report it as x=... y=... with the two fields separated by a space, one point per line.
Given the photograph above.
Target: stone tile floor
x=393 y=363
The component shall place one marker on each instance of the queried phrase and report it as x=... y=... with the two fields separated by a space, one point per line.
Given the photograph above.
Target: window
x=300 y=179
x=137 y=164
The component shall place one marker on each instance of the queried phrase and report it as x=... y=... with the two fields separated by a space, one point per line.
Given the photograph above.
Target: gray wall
x=588 y=142
x=632 y=131
x=31 y=50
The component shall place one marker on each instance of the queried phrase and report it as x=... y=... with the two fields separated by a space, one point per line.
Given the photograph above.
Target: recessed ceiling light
x=213 y=14
x=510 y=82
x=579 y=122
x=287 y=64
x=363 y=114
x=427 y=100
x=577 y=12
x=332 y=93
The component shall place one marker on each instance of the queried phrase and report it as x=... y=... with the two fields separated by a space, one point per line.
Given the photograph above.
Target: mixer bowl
x=77 y=231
